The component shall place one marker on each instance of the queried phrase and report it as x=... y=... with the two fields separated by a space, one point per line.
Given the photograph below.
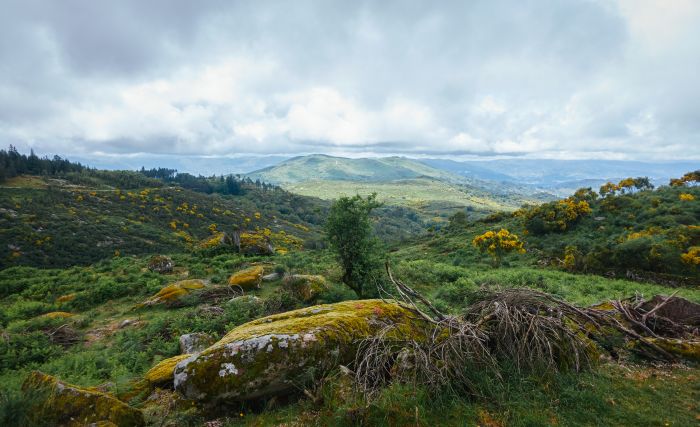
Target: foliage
x=689 y=179
x=350 y=235
x=555 y=216
x=498 y=243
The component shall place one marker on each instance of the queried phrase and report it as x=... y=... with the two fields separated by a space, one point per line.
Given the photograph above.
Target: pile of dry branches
x=527 y=329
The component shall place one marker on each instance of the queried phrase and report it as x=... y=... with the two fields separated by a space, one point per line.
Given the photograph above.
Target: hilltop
x=398 y=181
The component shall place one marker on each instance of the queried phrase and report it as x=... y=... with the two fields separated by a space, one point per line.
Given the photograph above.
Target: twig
x=409 y=293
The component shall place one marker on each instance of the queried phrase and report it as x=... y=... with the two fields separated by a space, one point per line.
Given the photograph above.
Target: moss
x=65 y=298
x=306 y=285
x=57 y=315
x=174 y=292
x=275 y=353
x=70 y=405
x=163 y=371
x=249 y=278
x=689 y=350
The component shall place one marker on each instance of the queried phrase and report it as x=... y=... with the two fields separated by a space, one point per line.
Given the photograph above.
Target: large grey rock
x=195 y=342
x=275 y=354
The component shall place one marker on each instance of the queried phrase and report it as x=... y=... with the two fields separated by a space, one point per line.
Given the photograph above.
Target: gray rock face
x=195 y=342
x=271 y=277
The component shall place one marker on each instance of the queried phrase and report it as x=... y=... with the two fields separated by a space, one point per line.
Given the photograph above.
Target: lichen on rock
x=247 y=279
x=195 y=342
x=307 y=286
x=162 y=372
x=69 y=405
x=173 y=292
x=161 y=264
x=57 y=315
x=274 y=354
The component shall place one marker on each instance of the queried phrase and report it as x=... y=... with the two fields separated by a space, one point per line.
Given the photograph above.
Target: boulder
x=70 y=405
x=247 y=279
x=271 y=277
x=274 y=354
x=162 y=372
x=195 y=342
x=250 y=243
x=217 y=240
x=307 y=286
x=174 y=292
x=57 y=315
x=161 y=264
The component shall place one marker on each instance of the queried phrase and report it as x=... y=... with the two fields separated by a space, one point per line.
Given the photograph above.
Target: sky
x=562 y=79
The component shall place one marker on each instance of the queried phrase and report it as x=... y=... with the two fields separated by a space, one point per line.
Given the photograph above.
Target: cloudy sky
x=614 y=79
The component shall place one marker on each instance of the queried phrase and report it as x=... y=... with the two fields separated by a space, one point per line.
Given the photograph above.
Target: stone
x=273 y=355
x=70 y=405
x=247 y=279
x=173 y=292
x=195 y=342
x=161 y=264
x=307 y=286
x=271 y=277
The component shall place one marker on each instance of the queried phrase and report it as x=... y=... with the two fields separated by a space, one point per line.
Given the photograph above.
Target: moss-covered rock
x=252 y=243
x=307 y=286
x=195 y=342
x=689 y=350
x=65 y=298
x=69 y=405
x=161 y=264
x=163 y=371
x=247 y=279
x=274 y=354
x=174 y=292
x=57 y=315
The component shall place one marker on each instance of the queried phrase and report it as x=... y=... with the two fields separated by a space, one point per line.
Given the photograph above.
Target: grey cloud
x=415 y=77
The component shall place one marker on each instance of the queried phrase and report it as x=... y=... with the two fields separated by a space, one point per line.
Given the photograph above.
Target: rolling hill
x=399 y=181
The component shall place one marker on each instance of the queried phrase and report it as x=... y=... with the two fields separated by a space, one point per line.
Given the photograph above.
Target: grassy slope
x=399 y=181
x=444 y=266
x=108 y=291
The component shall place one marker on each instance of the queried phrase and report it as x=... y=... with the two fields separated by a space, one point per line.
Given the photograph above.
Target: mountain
x=398 y=181
x=561 y=176
x=321 y=167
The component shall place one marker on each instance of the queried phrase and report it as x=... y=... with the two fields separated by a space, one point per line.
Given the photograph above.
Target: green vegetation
x=74 y=308
x=432 y=192
x=350 y=237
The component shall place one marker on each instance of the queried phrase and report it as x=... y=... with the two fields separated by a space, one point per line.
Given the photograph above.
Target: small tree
x=350 y=235
x=498 y=243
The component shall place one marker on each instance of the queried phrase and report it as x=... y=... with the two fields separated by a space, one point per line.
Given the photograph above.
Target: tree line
x=13 y=163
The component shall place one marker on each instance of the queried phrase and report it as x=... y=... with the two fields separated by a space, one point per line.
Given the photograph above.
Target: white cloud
x=601 y=78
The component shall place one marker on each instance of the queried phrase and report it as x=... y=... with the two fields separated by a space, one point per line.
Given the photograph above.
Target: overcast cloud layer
x=550 y=79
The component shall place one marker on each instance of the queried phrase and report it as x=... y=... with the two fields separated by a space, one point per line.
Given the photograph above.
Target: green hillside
x=319 y=167
x=83 y=299
x=398 y=181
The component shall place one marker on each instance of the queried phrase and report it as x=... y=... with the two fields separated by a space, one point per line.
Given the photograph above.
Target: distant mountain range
x=563 y=176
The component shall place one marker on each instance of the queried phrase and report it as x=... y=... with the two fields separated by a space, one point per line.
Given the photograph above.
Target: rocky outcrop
x=274 y=354
x=251 y=243
x=195 y=342
x=247 y=279
x=173 y=292
x=161 y=264
x=69 y=405
x=307 y=286
x=162 y=372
